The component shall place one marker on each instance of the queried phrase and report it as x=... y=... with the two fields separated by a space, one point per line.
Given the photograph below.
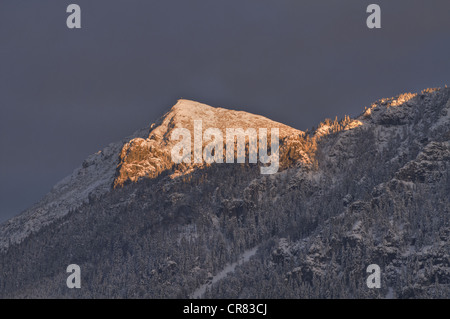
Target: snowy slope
x=92 y=179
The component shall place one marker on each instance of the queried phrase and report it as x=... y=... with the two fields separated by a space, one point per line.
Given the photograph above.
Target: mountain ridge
x=375 y=191
x=43 y=212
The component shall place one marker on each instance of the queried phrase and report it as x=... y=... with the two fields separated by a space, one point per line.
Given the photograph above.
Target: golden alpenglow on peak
x=148 y=158
x=186 y=111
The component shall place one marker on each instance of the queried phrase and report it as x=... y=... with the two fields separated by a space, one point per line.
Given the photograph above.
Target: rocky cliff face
x=369 y=190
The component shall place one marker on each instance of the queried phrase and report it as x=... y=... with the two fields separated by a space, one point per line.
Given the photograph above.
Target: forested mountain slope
x=370 y=190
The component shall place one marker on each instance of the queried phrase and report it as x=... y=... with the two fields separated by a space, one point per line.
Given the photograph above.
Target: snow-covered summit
x=148 y=157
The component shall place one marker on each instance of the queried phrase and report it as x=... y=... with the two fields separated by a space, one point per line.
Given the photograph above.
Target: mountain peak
x=189 y=108
x=183 y=104
x=151 y=156
x=184 y=112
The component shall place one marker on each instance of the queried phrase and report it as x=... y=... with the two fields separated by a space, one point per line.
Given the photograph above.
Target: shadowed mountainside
x=370 y=190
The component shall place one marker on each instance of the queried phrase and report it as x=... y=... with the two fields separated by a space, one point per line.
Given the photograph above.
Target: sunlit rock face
x=151 y=156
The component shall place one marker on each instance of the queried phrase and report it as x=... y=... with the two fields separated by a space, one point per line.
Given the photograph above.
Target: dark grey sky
x=65 y=94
